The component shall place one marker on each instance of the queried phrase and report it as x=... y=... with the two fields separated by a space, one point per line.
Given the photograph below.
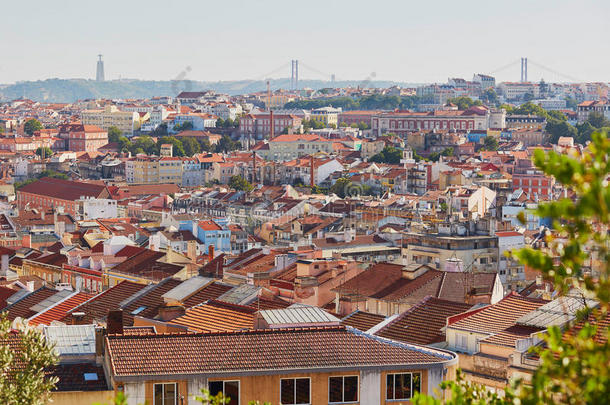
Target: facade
x=286 y=366
x=258 y=125
x=288 y=147
x=326 y=115
x=83 y=138
x=402 y=123
x=111 y=116
x=531 y=180
x=587 y=107
x=154 y=170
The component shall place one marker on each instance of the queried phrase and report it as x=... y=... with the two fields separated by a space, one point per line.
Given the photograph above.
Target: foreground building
x=288 y=366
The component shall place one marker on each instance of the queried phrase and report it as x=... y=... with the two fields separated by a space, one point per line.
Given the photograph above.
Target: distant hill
x=70 y=90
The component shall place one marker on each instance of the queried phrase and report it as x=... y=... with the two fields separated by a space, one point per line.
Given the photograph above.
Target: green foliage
x=32 y=126
x=571 y=103
x=490 y=96
x=44 y=150
x=23 y=380
x=191 y=146
x=463 y=102
x=114 y=134
x=185 y=126
x=161 y=130
x=447 y=151
x=207 y=399
x=462 y=392
x=389 y=154
x=573 y=366
x=371 y=102
x=178 y=148
x=226 y=144
x=344 y=187
x=490 y=143
x=309 y=124
x=240 y=184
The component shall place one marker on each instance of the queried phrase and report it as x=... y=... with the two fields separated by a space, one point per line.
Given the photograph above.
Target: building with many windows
x=111 y=116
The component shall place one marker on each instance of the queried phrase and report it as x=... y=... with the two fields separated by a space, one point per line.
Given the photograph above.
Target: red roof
x=261 y=350
x=57 y=312
x=63 y=189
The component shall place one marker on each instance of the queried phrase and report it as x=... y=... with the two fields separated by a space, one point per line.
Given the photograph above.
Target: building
x=153 y=170
x=356 y=117
x=327 y=115
x=319 y=365
x=404 y=122
x=83 y=138
x=531 y=180
x=60 y=194
x=587 y=107
x=485 y=81
x=293 y=146
x=199 y=121
x=111 y=116
x=258 y=125
x=512 y=273
x=516 y=91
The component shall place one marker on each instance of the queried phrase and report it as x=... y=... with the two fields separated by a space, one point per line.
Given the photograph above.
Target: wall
x=81 y=397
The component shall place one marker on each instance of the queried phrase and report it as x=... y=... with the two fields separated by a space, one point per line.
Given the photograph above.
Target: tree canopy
x=114 y=134
x=389 y=154
x=464 y=103
x=31 y=126
x=44 y=151
x=490 y=143
x=240 y=184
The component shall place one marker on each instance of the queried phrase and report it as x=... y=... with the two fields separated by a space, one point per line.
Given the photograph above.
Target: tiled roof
x=22 y=309
x=260 y=351
x=63 y=189
x=96 y=309
x=510 y=335
x=145 y=264
x=362 y=320
x=213 y=316
x=423 y=323
x=209 y=292
x=147 y=305
x=72 y=377
x=498 y=317
x=57 y=312
x=5 y=292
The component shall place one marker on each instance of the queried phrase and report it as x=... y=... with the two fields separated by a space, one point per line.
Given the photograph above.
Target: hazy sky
x=413 y=41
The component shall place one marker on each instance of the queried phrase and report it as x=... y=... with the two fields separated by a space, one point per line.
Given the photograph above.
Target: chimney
x=412 y=272
x=99 y=345
x=169 y=312
x=539 y=279
x=78 y=318
x=311 y=173
x=261 y=279
x=210 y=253
x=271 y=126
x=114 y=322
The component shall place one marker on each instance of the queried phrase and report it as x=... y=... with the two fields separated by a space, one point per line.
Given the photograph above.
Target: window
x=461 y=341
x=294 y=391
x=402 y=386
x=230 y=389
x=166 y=394
x=343 y=389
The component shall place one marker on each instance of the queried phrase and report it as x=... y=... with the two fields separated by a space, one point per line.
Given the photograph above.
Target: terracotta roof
x=147 y=305
x=260 y=350
x=5 y=292
x=22 y=309
x=209 y=292
x=63 y=189
x=497 y=317
x=57 y=312
x=213 y=316
x=362 y=320
x=510 y=335
x=423 y=323
x=96 y=309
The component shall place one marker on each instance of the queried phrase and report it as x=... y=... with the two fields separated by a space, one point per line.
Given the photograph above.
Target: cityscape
x=304 y=236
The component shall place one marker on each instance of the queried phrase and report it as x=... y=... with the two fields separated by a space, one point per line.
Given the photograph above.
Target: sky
x=408 y=41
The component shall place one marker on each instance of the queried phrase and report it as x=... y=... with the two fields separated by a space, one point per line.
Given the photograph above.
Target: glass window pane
x=390 y=386
x=215 y=387
x=232 y=392
x=287 y=391
x=302 y=390
x=350 y=389
x=335 y=389
x=158 y=400
x=170 y=394
x=402 y=386
x=416 y=382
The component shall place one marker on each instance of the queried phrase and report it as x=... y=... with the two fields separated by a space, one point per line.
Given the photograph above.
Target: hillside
x=69 y=90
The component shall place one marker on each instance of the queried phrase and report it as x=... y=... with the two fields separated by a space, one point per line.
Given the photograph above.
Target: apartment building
x=258 y=125
x=327 y=115
x=154 y=170
x=587 y=107
x=111 y=116
x=83 y=138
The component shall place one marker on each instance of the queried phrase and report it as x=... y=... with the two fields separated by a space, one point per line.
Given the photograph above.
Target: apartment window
x=166 y=394
x=402 y=386
x=295 y=391
x=343 y=389
x=230 y=389
x=461 y=341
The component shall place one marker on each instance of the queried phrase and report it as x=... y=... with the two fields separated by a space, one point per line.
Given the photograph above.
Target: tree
x=389 y=154
x=226 y=144
x=205 y=144
x=44 y=152
x=25 y=355
x=31 y=126
x=598 y=120
x=447 y=152
x=178 y=148
x=220 y=123
x=114 y=134
x=463 y=102
x=573 y=365
x=143 y=143
x=191 y=146
x=343 y=124
x=528 y=96
x=490 y=96
x=240 y=184
x=161 y=130
x=490 y=143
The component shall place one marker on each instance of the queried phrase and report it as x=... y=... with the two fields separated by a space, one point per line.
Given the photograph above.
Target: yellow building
x=327 y=115
x=111 y=116
x=153 y=170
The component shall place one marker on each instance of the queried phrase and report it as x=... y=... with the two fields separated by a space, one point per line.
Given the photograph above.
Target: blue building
x=210 y=232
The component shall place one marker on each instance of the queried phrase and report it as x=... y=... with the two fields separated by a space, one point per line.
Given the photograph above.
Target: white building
x=96 y=208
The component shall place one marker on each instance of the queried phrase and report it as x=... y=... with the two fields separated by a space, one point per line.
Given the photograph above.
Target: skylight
x=138 y=310
x=90 y=376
